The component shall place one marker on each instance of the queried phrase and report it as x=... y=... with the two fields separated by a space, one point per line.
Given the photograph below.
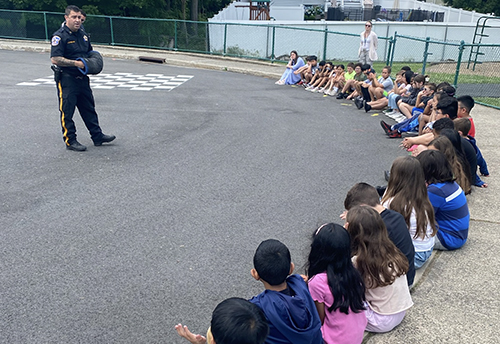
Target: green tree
x=481 y=6
x=39 y=5
x=173 y=9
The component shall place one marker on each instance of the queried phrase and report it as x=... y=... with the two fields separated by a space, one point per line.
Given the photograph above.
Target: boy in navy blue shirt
x=286 y=302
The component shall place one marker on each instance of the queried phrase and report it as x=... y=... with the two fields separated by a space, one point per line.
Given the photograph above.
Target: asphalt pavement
x=121 y=242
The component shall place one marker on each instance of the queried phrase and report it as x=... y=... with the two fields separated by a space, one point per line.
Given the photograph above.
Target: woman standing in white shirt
x=369 y=43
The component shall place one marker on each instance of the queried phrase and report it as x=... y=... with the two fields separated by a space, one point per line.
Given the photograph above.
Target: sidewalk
x=454 y=293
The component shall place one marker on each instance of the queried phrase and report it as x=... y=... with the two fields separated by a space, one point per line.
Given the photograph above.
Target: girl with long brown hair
x=383 y=268
x=406 y=193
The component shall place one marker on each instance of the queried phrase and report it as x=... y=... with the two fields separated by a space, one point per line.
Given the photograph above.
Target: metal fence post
x=325 y=42
x=459 y=62
x=388 y=61
x=426 y=53
x=393 y=47
x=175 y=35
x=225 y=39
x=46 y=28
x=272 y=47
x=111 y=29
x=207 y=40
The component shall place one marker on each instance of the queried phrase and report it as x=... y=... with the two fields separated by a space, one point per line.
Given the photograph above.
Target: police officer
x=69 y=44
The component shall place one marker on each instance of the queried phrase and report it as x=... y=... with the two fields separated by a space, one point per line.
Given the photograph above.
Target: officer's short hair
x=72 y=8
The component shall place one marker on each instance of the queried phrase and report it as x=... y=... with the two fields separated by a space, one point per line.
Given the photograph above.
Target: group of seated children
x=357 y=276
x=346 y=289
x=448 y=118
x=411 y=100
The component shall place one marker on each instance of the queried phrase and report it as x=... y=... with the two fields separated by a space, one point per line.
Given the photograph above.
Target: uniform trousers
x=74 y=91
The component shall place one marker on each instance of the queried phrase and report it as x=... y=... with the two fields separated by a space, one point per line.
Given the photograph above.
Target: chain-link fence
x=472 y=68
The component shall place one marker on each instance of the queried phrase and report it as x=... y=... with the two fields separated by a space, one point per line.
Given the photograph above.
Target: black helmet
x=93 y=63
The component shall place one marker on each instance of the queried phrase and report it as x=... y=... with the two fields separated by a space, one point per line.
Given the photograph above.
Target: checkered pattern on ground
x=130 y=81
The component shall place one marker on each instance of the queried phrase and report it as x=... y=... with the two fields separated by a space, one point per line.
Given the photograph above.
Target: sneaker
x=394 y=134
x=333 y=93
x=388 y=110
x=410 y=134
x=394 y=115
x=368 y=107
x=400 y=119
x=359 y=103
x=386 y=127
x=340 y=95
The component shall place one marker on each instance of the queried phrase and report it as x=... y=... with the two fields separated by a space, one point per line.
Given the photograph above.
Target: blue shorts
x=421 y=258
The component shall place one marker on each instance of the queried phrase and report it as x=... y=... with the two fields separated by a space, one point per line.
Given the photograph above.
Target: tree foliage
x=171 y=9
x=481 y=6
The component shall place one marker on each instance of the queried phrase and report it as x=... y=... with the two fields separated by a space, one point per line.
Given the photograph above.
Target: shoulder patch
x=85 y=38
x=55 y=40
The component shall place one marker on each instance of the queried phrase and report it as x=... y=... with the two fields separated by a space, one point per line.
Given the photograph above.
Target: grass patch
x=489 y=101
x=465 y=78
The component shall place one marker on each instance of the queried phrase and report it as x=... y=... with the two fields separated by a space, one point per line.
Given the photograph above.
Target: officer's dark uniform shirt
x=70 y=45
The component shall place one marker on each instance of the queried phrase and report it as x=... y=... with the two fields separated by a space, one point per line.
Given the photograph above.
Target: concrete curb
x=174 y=58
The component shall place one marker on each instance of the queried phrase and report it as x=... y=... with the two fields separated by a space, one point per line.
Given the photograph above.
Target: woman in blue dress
x=289 y=77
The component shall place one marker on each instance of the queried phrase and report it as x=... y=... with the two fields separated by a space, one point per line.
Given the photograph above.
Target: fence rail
x=473 y=68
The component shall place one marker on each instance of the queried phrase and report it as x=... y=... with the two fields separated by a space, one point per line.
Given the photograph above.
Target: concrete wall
x=295 y=13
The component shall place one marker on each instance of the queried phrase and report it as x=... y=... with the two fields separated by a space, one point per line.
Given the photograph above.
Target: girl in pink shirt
x=336 y=286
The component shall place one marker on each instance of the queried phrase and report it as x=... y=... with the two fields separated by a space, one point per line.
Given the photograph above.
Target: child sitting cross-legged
x=336 y=286
x=286 y=302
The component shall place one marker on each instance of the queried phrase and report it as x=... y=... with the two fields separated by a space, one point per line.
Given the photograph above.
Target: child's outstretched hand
x=184 y=332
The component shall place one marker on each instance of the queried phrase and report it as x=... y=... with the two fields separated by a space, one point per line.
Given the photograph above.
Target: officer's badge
x=55 y=40
x=85 y=38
